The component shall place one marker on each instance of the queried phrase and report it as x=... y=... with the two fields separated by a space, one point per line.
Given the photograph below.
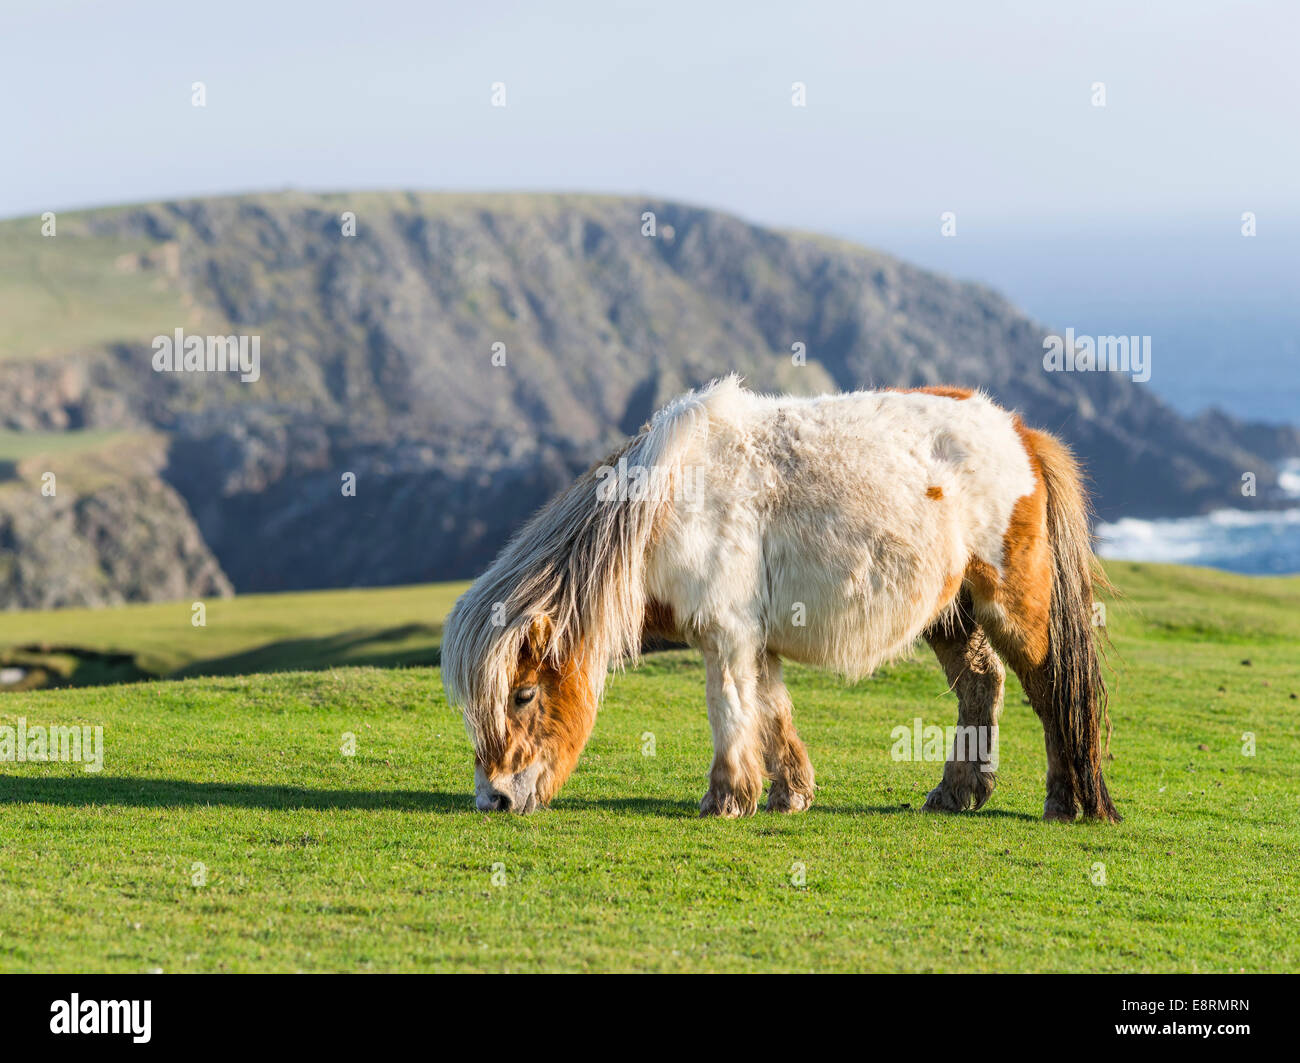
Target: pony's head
x=528 y=711
x=526 y=649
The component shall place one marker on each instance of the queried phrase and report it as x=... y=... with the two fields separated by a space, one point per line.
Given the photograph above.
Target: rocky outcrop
x=132 y=541
x=108 y=533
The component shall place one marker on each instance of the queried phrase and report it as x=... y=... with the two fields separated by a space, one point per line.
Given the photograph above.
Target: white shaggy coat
x=826 y=530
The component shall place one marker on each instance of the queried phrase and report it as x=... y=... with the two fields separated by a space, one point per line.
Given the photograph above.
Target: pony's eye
x=524 y=696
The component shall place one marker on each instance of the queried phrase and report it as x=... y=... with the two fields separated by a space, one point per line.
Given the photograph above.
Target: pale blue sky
x=913 y=108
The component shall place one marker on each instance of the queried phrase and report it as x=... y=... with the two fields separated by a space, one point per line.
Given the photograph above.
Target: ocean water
x=1258 y=543
x=1255 y=543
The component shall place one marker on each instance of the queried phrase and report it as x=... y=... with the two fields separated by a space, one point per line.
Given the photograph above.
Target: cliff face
x=91 y=527
x=462 y=357
x=131 y=542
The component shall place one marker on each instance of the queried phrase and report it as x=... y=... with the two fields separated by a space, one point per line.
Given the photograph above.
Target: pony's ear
x=538 y=638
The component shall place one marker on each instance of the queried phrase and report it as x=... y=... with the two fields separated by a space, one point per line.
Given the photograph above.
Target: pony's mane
x=580 y=564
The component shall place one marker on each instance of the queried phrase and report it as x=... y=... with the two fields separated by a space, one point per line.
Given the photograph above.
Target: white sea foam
x=1258 y=542
x=1288 y=477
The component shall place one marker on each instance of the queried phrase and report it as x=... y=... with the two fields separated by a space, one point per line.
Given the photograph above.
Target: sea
x=1258 y=543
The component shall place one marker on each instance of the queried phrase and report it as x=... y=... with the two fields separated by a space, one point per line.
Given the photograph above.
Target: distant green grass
x=75 y=291
x=18 y=446
x=82 y=460
x=390 y=626
x=319 y=861
x=80 y=291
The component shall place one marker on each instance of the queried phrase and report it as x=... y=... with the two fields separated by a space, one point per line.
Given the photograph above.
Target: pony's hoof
x=940 y=800
x=782 y=799
x=724 y=805
x=1056 y=814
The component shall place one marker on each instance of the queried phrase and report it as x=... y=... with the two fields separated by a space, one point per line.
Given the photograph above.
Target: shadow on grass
x=95 y=791
x=363 y=647
x=405 y=646
x=662 y=806
x=177 y=793
x=916 y=810
x=643 y=806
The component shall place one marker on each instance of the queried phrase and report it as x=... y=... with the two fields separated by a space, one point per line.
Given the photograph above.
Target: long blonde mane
x=580 y=564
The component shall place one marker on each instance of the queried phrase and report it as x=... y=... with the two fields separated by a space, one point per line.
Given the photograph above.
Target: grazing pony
x=833 y=531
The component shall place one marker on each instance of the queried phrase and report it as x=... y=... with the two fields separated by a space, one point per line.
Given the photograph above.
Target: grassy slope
x=81 y=460
x=319 y=861
x=389 y=626
x=74 y=291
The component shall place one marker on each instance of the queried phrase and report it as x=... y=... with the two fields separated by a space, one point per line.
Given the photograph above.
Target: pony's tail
x=1078 y=690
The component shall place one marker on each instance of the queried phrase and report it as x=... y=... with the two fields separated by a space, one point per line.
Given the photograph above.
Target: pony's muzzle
x=507 y=793
x=496 y=801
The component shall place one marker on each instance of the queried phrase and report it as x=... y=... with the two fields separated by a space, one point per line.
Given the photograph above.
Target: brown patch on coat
x=785 y=760
x=983 y=580
x=934 y=492
x=942 y=390
x=659 y=621
x=1023 y=591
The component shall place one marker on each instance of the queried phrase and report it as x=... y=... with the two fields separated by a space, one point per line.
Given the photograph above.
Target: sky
x=912 y=109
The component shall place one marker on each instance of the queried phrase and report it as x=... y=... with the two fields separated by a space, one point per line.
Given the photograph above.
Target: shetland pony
x=834 y=531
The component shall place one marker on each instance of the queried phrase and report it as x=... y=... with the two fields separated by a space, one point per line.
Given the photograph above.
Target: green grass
x=81 y=460
x=19 y=446
x=389 y=626
x=74 y=291
x=319 y=861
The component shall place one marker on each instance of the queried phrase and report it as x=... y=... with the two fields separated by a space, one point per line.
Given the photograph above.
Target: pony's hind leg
x=731 y=689
x=1061 y=803
x=1038 y=613
x=1020 y=626
x=784 y=757
x=976 y=675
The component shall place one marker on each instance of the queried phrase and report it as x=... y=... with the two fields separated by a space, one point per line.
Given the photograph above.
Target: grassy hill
x=229 y=831
x=78 y=290
x=385 y=627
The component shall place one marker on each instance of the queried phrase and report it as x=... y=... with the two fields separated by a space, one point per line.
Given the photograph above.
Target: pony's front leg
x=786 y=759
x=736 y=778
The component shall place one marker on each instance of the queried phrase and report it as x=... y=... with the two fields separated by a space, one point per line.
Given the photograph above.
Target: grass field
x=228 y=831
x=387 y=627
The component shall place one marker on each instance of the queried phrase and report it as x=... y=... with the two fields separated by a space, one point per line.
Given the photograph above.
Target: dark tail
x=1078 y=689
